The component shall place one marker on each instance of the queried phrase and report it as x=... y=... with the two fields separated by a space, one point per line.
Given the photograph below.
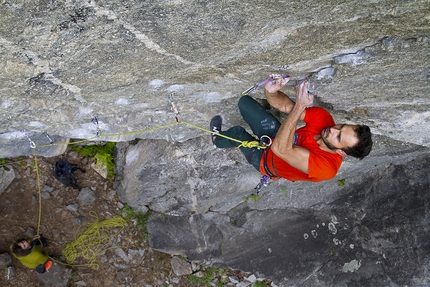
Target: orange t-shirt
x=321 y=165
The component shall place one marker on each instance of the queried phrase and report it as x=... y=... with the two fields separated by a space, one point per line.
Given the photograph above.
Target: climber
x=30 y=253
x=311 y=153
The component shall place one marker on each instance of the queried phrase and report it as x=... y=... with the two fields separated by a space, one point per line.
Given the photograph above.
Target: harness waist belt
x=274 y=174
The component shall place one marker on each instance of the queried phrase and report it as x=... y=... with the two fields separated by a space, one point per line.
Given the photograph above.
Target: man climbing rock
x=311 y=153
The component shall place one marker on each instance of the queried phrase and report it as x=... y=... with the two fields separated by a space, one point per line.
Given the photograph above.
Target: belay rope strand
x=99 y=133
x=39 y=193
x=248 y=144
x=94 y=120
x=95 y=240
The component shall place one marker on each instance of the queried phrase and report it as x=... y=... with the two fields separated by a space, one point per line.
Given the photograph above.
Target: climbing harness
x=270 y=79
x=264 y=181
x=265 y=140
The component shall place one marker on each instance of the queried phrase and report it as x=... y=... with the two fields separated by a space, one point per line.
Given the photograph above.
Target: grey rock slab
x=356 y=236
x=86 y=196
x=5 y=260
x=181 y=178
x=61 y=71
x=72 y=207
x=122 y=254
x=58 y=275
x=7 y=175
x=47 y=188
x=17 y=143
x=180 y=266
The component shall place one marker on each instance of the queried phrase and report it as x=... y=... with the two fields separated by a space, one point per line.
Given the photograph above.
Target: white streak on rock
x=42 y=67
x=351 y=266
x=139 y=35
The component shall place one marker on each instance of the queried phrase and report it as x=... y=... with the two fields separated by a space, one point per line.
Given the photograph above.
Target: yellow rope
x=249 y=144
x=39 y=192
x=94 y=241
x=112 y=135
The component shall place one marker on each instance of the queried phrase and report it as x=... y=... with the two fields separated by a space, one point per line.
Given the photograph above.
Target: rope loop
x=94 y=241
x=251 y=144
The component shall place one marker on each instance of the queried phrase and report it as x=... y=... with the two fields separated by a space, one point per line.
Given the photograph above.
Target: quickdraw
x=51 y=142
x=270 y=79
x=32 y=144
x=264 y=181
x=95 y=121
x=177 y=113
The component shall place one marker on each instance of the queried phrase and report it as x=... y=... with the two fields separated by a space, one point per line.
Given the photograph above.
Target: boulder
x=7 y=175
x=5 y=260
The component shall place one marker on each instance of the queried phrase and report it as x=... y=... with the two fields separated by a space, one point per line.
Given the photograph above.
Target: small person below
x=31 y=254
x=311 y=153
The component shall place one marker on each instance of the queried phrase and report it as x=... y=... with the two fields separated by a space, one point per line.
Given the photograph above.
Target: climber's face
x=24 y=244
x=339 y=137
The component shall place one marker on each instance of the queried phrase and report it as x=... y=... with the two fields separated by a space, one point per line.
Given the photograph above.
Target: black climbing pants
x=261 y=122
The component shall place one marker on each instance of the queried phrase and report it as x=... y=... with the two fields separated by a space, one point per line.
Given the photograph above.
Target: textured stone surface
x=58 y=275
x=7 y=175
x=180 y=267
x=5 y=260
x=371 y=233
x=63 y=63
x=205 y=211
x=86 y=196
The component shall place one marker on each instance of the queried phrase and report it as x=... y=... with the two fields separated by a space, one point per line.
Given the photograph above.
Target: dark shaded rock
x=58 y=275
x=373 y=234
x=5 y=260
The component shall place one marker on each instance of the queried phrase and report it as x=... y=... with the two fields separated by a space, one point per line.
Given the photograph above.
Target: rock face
x=63 y=63
x=364 y=227
x=109 y=71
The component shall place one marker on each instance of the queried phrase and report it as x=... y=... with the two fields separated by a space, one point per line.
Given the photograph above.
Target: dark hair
x=18 y=250
x=364 y=145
